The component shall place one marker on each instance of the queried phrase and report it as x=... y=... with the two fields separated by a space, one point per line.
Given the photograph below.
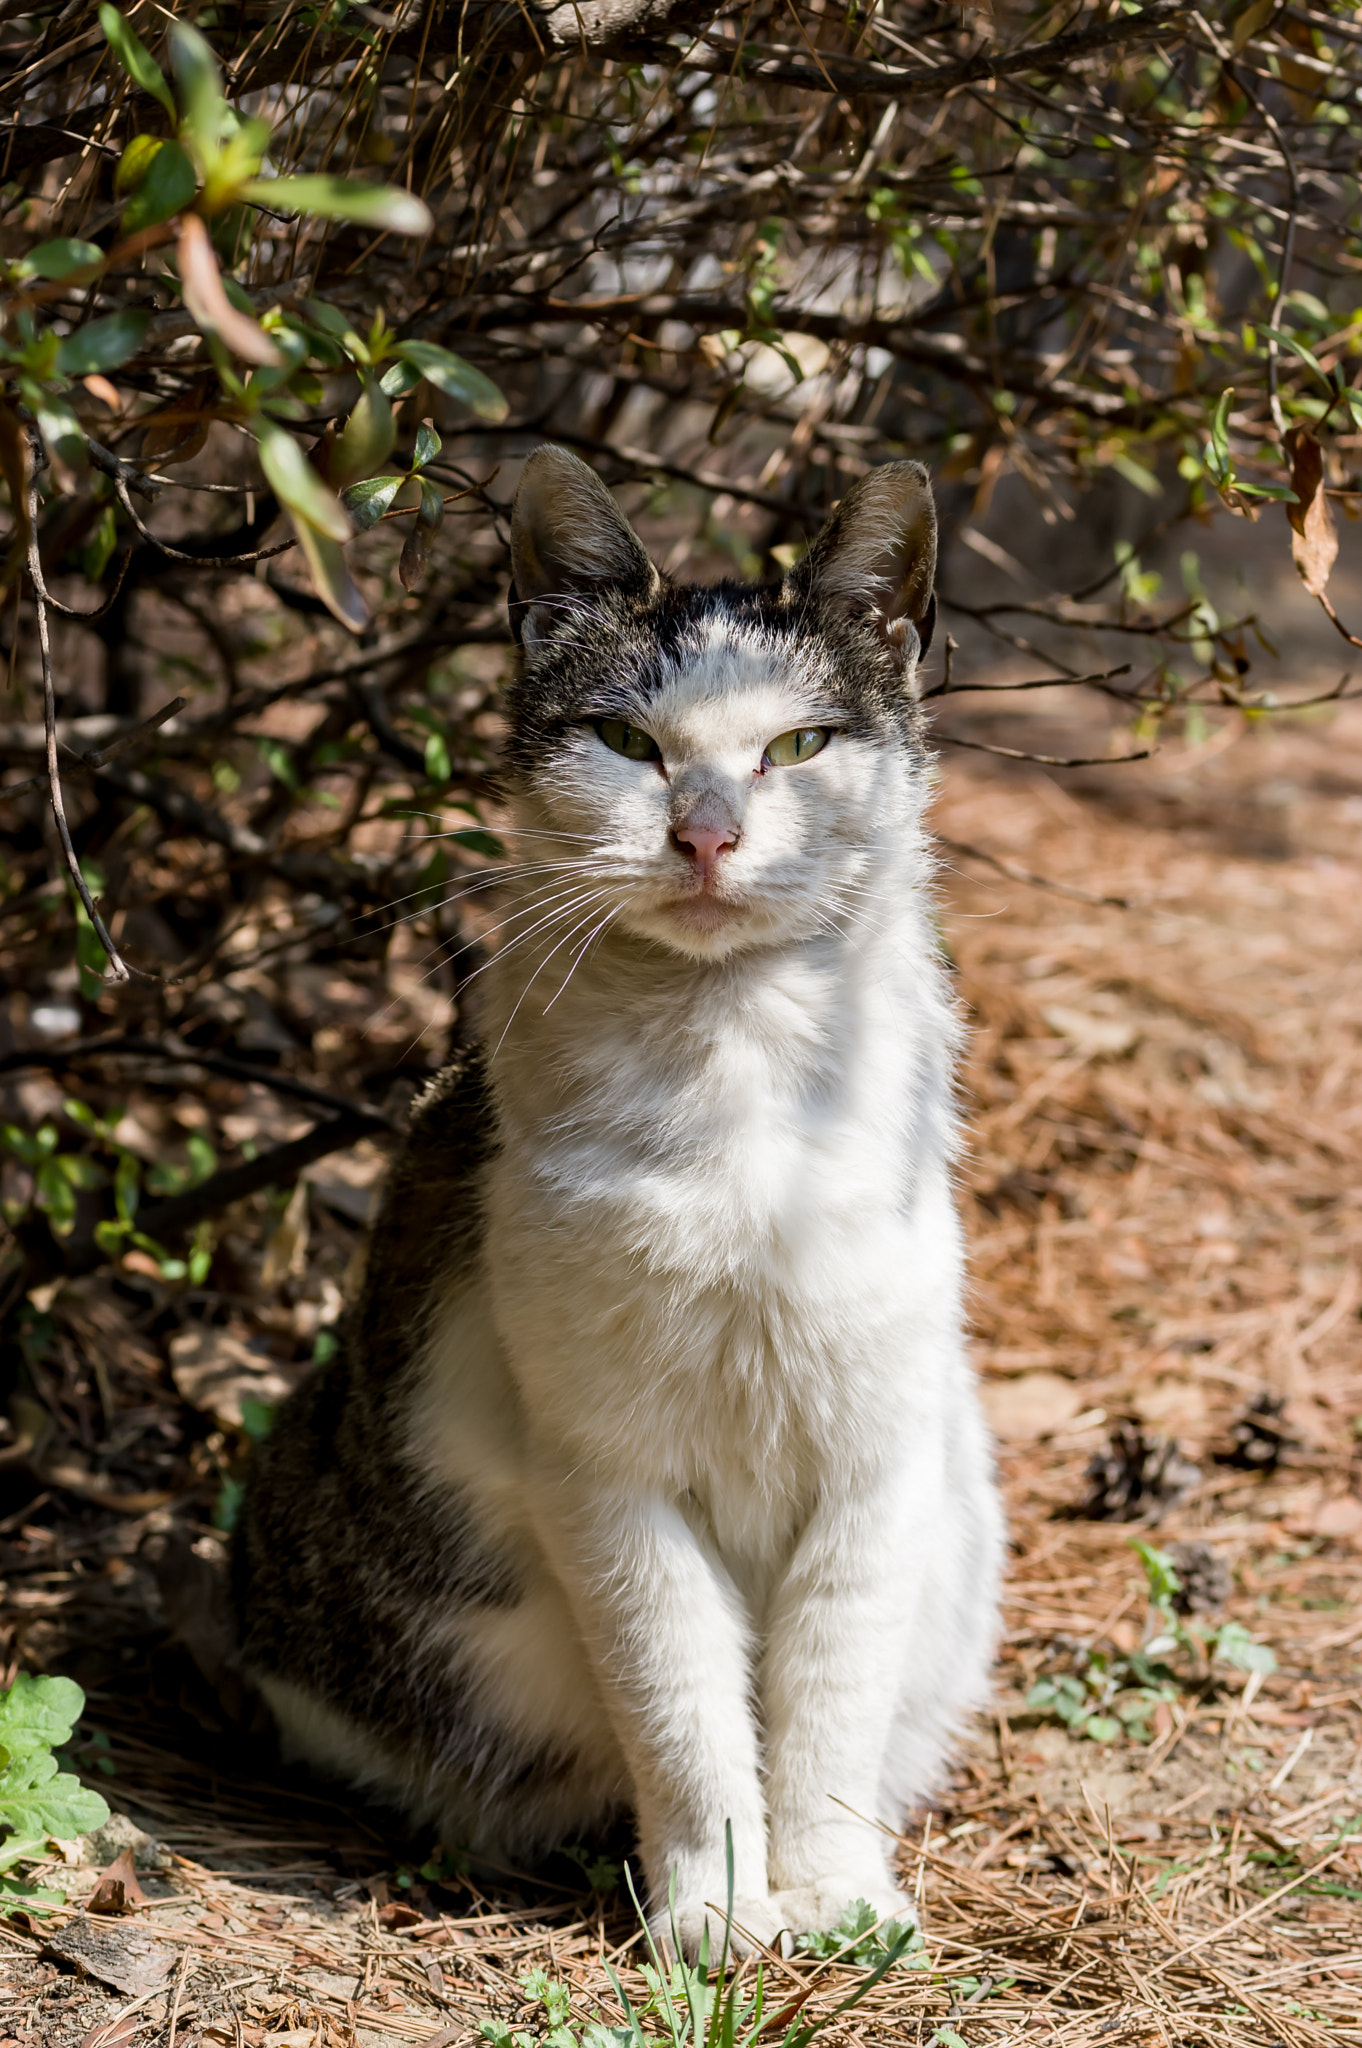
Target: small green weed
x=39 y=1801
x=61 y=1169
x=602 y=1873
x=859 y=1937
x=1107 y=1696
x=690 y=2006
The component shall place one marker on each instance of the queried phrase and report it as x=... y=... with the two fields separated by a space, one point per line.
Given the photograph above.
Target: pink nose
x=705 y=844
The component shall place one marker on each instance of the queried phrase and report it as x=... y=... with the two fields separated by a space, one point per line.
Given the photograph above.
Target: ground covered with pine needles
x=1164 y=1097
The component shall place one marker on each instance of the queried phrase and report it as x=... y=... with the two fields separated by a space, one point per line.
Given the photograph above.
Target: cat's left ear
x=875 y=560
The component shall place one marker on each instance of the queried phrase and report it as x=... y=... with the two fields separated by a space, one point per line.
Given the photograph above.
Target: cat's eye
x=629 y=740
x=790 y=747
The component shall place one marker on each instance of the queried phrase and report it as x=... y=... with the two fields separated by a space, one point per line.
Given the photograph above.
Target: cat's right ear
x=569 y=540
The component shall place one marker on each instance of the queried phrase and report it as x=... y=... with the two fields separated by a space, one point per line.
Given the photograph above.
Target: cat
x=652 y=1475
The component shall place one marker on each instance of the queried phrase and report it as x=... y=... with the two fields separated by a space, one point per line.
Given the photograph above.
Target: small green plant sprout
x=692 y=2008
x=860 y=1938
x=39 y=1802
x=1236 y=491
x=1105 y=1696
x=602 y=1873
x=1228 y=1643
x=98 y=1161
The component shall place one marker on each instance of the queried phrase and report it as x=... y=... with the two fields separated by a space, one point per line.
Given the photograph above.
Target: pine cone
x=1138 y=1476
x=1258 y=1437
x=1207 y=1580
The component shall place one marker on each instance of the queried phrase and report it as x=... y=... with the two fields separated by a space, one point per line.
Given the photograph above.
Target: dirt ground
x=1164 y=1100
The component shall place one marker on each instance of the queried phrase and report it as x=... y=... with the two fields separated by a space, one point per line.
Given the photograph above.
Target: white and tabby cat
x=653 y=1474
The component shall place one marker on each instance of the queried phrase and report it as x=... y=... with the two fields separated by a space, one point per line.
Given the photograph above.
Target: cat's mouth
x=704 y=911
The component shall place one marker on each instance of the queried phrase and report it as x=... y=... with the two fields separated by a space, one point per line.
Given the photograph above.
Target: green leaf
x=63 y=258
x=102 y=344
x=22 y=1849
x=431 y=512
x=1298 y=348
x=98 y=550
x=257 y=1418
x=1220 y=435
x=56 y=1196
x=228 y=1505
x=127 y=1186
x=34 y=1794
x=399 y=378
x=456 y=378
x=329 y=319
x=135 y=57
x=428 y=445
x=206 y=113
x=1234 y=1645
x=331 y=577
x=367 y=436
x=1101 y=1727
x=279 y=761
x=438 y=767
x=81 y=1171
x=38 y=1713
x=61 y=430
x=367 y=502
x=371 y=206
x=165 y=186
x=135 y=162
x=297 y=485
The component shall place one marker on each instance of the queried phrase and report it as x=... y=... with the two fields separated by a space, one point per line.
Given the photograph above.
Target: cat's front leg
x=840 y=1628
x=667 y=1634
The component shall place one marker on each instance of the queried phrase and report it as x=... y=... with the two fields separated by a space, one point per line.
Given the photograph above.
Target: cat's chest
x=733 y=1147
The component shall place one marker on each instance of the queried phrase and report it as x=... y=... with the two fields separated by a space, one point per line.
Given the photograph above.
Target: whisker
x=502 y=952
x=582 y=950
x=565 y=940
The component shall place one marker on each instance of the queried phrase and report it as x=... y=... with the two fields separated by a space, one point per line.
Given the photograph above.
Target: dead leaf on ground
x=215 y=1371
x=1035 y=1405
x=114 y=2033
x=1314 y=537
x=124 y=1957
x=286 y=1248
x=396 y=1915
x=1340 y=1519
x=1093 y=1036
x=117 y=1890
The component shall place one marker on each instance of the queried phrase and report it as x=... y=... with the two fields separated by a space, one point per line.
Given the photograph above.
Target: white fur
x=711 y=1383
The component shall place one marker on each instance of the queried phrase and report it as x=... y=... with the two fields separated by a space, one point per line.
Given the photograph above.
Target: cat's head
x=721 y=765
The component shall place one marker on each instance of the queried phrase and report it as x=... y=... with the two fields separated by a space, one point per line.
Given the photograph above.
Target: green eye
x=796 y=746
x=628 y=740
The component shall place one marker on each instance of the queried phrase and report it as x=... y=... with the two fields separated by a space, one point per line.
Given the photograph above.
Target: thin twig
x=118 y=967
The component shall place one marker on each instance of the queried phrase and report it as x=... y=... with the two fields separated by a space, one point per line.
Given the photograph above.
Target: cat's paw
x=834 y=1903
x=757 y=1924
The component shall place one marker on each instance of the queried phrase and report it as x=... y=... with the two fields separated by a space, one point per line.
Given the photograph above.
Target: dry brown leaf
x=202 y=289
x=215 y=1371
x=286 y=1250
x=117 y=1890
x=1035 y=1405
x=1340 y=1519
x=1314 y=538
